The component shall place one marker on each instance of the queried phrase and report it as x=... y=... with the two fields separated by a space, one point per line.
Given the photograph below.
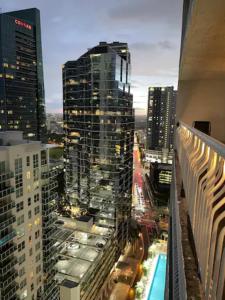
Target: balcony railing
x=7 y=175
x=7 y=238
x=7 y=251
x=7 y=191
x=202 y=164
x=6 y=223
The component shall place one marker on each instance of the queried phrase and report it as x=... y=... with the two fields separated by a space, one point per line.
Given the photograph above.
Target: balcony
x=10 y=292
x=8 y=266
x=6 y=205
x=6 y=191
x=49 y=174
x=6 y=251
x=7 y=222
x=8 y=279
x=47 y=199
x=6 y=176
x=7 y=238
x=49 y=186
x=197 y=226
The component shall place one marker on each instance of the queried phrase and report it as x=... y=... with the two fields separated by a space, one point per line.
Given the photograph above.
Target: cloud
x=165 y=45
x=142 y=11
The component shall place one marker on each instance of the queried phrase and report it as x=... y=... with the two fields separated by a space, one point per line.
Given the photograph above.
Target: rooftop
x=79 y=248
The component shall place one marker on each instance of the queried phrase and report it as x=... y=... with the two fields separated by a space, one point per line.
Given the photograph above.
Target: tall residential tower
x=22 y=105
x=160 y=117
x=99 y=127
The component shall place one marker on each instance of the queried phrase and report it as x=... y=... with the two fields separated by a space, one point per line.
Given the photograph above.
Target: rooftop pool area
x=157 y=288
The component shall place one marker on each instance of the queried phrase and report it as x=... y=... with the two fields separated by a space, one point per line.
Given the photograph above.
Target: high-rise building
x=99 y=127
x=160 y=118
x=22 y=104
x=27 y=202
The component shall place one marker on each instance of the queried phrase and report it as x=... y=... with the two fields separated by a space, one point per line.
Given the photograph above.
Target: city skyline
x=66 y=30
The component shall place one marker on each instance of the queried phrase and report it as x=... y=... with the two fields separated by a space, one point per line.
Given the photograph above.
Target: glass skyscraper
x=22 y=104
x=99 y=128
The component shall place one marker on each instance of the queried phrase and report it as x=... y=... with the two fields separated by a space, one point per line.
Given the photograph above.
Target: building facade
x=24 y=230
x=22 y=104
x=196 y=250
x=99 y=127
x=160 y=118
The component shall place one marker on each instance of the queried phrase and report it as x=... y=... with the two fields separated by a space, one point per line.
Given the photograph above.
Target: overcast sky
x=152 y=29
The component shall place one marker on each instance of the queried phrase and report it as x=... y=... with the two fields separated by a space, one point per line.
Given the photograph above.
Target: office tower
x=160 y=118
x=22 y=104
x=196 y=257
x=26 y=219
x=99 y=125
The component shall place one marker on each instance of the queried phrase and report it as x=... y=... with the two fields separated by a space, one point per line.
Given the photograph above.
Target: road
x=142 y=211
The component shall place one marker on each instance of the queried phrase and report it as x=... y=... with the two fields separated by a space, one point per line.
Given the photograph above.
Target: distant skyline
x=152 y=29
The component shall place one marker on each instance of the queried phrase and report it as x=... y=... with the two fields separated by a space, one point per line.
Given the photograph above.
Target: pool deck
x=152 y=273
x=157 y=249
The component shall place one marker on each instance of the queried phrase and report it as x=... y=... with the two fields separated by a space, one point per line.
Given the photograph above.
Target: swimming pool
x=157 y=288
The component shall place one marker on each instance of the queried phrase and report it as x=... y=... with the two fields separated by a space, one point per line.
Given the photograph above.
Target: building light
x=23 y=24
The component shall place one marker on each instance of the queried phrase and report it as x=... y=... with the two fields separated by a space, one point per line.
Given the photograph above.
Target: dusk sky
x=152 y=29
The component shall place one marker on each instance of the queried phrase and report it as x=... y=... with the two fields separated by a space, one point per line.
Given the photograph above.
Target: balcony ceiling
x=203 y=54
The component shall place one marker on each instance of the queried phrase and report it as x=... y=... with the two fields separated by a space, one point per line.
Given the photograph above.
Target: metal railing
x=202 y=163
x=176 y=281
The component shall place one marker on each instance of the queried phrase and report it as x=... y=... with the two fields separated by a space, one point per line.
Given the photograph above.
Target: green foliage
x=56 y=153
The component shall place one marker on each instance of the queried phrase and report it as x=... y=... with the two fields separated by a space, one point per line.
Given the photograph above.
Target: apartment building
x=23 y=225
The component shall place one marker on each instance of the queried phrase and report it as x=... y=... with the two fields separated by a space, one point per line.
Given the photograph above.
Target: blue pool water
x=157 y=288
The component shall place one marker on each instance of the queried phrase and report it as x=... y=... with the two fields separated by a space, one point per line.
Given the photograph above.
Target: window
x=28 y=161
x=22 y=272
x=19 y=177
x=28 y=174
x=37 y=234
x=30 y=251
x=36 y=210
x=35 y=161
x=32 y=287
x=38 y=257
x=23 y=284
x=18 y=166
x=29 y=214
x=29 y=201
x=20 y=220
x=2 y=167
x=21 y=246
x=21 y=259
x=36 y=174
x=19 y=206
x=36 y=198
x=37 y=246
x=38 y=269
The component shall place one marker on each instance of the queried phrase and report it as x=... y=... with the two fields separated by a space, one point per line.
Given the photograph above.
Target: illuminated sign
x=23 y=24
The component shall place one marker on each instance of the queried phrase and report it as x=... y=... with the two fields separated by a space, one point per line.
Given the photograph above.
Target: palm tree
x=133 y=232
